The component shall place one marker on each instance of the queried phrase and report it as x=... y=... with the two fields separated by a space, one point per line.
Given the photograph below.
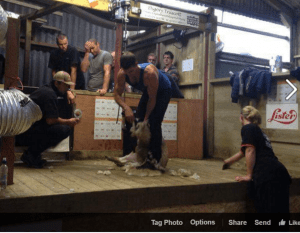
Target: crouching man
x=51 y=129
x=153 y=104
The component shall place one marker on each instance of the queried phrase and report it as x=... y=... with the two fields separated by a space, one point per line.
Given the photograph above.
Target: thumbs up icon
x=282 y=222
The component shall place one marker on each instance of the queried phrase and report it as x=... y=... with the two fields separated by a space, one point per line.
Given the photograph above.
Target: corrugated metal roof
x=257 y=9
x=78 y=31
x=294 y=4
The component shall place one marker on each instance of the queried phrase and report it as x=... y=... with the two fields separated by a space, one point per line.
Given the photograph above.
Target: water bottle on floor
x=3 y=174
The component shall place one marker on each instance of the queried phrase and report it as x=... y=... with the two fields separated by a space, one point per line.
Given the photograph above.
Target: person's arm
x=151 y=82
x=250 y=154
x=85 y=62
x=119 y=89
x=174 y=73
x=73 y=76
x=51 y=64
x=70 y=122
x=128 y=88
x=106 y=78
x=232 y=159
x=53 y=72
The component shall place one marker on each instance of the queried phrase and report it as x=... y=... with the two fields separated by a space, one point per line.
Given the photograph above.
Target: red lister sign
x=282 y=116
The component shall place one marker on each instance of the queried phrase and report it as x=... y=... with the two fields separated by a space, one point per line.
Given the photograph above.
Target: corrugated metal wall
x=78 y=31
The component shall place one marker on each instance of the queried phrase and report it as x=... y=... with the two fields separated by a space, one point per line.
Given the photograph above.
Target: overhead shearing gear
x=120 y=9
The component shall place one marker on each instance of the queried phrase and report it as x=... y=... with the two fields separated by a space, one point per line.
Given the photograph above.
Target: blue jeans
x=155 y=119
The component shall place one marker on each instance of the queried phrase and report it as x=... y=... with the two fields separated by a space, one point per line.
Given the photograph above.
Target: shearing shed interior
x=231 y=58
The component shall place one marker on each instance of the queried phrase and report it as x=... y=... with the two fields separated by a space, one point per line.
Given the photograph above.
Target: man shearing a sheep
x=157 y=91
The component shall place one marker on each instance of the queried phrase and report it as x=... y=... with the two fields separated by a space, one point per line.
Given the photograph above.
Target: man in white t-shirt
x=98 y=62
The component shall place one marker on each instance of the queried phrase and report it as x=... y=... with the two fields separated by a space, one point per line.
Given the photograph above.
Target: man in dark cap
x=51 y=129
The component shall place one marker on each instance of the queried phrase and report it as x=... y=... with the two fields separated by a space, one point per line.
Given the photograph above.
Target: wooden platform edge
x=115 y=201
x=127 y=199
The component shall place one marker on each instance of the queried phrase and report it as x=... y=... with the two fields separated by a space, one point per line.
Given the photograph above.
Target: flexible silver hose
x=17 y=112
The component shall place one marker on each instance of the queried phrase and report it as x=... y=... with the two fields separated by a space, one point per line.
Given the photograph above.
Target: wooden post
x=201 y=65
x=118 y=49
x=158 y=59
x=297 y=44
x=27 y=52
x=210 y=95
x=204 y=88
x=210 y=87
x=11 y=70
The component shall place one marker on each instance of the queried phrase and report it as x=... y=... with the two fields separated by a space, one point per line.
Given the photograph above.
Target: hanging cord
x=123 y=22
x=125 y=30
x=119 y=109
x=139 y=26
x=18 y=79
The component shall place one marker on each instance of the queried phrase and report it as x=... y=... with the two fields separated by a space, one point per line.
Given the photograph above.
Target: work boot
x=41 y=161
x=32 y=161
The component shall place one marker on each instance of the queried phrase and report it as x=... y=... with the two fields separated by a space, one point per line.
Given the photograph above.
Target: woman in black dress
x=271 y=180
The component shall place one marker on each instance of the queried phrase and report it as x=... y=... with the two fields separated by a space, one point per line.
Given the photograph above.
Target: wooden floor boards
x=77 y=186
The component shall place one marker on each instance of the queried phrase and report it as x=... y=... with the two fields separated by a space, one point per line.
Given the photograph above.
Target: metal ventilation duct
x=17 y=112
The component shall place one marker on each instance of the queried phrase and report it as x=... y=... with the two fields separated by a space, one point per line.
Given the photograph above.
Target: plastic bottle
x=278 y=64
x=3 y=174
x=272 y=65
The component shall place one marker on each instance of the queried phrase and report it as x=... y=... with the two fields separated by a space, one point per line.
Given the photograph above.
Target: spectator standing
x=98 y=62
x=67 y=58
x=168 y=59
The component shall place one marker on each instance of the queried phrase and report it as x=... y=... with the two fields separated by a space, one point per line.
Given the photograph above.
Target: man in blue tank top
x=157 y=91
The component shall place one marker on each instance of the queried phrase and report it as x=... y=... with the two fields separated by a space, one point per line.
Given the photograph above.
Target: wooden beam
x=50 y=28
x=100 y=5
x=253 y=31
x=27 y=51
x=47 y=45
x=118 y=50
x=11 y=71
x=32 y=6
x=157 y=39
x=210 y=95
x=205 y=93
x=190 y=84
x=12 y=53
x=44 y=11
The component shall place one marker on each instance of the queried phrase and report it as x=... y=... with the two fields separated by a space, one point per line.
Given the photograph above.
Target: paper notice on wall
x=169 y=125
x=105 y=130
x=169 y=131
x=106 y=108
x=279 y=91
x=187 y=65
x=171 y=113
x=106 y=126
x=282 y=116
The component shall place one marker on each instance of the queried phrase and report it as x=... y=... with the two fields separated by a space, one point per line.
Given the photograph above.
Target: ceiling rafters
x=255 y=8
x=44 y=11
x=281 y=7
